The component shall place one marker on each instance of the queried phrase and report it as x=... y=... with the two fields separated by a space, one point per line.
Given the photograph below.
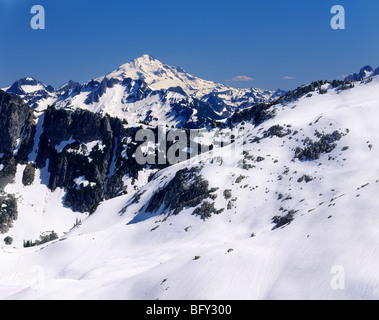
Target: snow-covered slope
x=40 y=210
x=296 y=210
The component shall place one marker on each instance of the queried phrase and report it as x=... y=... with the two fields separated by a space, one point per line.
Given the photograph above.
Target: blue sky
x=216 y=40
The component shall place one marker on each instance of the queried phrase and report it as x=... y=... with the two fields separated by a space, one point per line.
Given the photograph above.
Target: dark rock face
x=28 y=175
x=16 y=135
x=75 y=128
x=85 y=199
x=186 y=189
x=16 y=120
x=257 y=114
x=63 y=145
x=9 y=171
x=8 y=212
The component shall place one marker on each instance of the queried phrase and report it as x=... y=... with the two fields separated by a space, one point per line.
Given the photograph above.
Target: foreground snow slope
x=124 y=252
x=39 y=210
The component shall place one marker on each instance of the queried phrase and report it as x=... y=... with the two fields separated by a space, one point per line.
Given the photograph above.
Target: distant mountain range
x=145 y=90
x=364 y=73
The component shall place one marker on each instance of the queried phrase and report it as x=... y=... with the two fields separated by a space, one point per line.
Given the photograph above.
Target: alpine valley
x=81 y=218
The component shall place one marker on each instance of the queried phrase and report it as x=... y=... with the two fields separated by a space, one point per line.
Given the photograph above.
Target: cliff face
x=86 y=154
x=17 y=132
x=17 y=127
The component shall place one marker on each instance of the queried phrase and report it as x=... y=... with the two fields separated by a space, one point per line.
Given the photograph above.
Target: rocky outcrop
x=28 y=175
x=314 y=150
x=8 y=212
x=16 y=128
x=281 y=221
x=277 y=131
x=186 y=189
x=206 y=210
x=17 y=133
x=257 y=114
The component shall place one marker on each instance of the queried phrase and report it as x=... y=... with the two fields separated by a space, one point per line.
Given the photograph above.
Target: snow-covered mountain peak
x=146 y=60
x=159 y=76
x=29 y=85
x=145 y=64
